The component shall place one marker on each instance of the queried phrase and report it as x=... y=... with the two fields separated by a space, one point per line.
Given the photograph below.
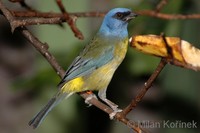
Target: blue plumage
x=112 y=26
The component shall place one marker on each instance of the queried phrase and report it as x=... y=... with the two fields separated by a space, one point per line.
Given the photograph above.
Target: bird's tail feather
x=38 y=118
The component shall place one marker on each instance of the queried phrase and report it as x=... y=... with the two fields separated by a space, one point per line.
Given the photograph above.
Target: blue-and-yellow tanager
x=93 y=69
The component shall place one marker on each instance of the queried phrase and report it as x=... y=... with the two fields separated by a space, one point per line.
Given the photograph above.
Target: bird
x=94 y=67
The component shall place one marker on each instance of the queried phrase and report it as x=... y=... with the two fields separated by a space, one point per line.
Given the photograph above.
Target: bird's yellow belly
x=98 y=79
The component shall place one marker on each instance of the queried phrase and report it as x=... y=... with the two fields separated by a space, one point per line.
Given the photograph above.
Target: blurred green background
x=27 y=80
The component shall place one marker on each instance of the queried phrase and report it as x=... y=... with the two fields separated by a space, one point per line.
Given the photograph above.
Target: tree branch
x=160 y=5
x=54 y=15
x=70 y=20
x=32 y=21
x=145 y=88
x=152 y=13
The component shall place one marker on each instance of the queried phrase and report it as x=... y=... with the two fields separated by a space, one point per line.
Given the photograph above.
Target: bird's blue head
x=116 y=21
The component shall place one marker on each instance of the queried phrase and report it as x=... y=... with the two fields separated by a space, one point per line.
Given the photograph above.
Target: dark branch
x=160 y=5
x=145 y=88
x=70 y=20
x=150 y=13
x=156 y=14
x=35 y=21
x=55 y=15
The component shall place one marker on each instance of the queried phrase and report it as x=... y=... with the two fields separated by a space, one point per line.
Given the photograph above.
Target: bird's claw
x=115 y=111
x=89 y=98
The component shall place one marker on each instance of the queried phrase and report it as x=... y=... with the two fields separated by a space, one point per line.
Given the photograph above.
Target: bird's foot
x=115 y=111
x=87 y=100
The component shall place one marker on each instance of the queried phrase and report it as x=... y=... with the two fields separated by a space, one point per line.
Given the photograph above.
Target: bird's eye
x=119 y=15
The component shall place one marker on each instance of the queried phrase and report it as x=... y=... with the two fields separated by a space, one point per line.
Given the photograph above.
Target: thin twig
x=43 y=49
x=56 y=18
x=14 y=22
x=70 y=20
x=145 y=88
x=160 y=5
x=8 y=15
x=53 y=14
x=152 y=13
x=35 y=21
x=16 y=0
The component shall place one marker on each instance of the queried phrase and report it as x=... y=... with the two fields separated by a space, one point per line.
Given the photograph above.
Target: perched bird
x=93 y=69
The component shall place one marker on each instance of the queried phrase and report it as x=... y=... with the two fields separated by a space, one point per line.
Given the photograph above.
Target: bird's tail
x=38 y=118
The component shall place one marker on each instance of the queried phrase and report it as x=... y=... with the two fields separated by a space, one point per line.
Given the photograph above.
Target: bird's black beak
x=131 y=16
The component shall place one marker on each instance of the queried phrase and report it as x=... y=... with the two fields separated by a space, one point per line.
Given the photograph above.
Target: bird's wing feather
x=89 y=60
